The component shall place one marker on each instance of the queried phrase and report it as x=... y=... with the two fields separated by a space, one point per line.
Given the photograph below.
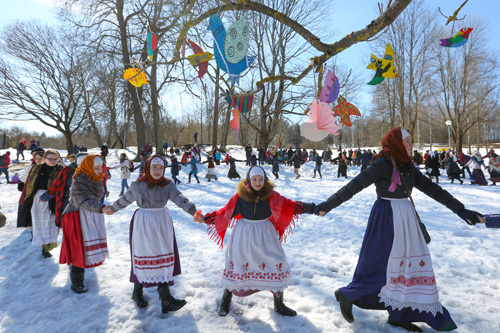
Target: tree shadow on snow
x=36 y=294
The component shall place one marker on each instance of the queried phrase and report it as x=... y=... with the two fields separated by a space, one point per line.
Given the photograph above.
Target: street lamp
x=448 y=123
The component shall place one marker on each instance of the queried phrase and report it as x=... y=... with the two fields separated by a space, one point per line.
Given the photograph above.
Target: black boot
x=224 y=304
x=410 y=327
x=168 y=302
x=345 y=306
x=281 y=308
x=46 y=254
x=77 y=276
x=138 y=296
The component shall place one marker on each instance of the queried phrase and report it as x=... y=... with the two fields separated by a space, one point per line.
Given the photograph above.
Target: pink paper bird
x=319 y=122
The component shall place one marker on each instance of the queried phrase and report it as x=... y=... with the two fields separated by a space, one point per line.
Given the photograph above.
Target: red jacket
x=7 y=161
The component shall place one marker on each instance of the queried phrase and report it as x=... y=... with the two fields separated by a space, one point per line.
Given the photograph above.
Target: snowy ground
x=322 y=252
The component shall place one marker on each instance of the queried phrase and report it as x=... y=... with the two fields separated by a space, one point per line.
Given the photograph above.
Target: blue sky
x=346 y=16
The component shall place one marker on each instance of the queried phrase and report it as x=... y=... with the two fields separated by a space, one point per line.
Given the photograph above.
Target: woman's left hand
x=471 y=217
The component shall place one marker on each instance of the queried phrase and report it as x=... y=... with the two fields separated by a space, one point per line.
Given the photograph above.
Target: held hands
x=198 y=217
x=471 y=217
x=321 y=209
x=107 y=210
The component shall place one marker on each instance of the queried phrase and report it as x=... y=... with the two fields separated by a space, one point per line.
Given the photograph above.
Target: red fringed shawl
x=284 y=213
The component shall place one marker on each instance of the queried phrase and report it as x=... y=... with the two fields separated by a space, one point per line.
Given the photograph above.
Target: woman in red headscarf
x=394 y=270
x=84 y=234
x=152 y=233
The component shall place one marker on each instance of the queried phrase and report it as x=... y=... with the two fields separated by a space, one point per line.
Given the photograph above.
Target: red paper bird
x=202 y=66
x=344 y=110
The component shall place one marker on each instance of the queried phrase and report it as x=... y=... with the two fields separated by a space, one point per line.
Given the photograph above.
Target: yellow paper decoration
x=135 y=76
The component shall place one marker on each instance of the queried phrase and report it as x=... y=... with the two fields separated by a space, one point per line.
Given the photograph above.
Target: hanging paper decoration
x=319 y=122
x=384 y=68
x=135 y=76
x=199 y=58
x=344 y=110
x=330 y=91
x=152 y=41
x=234 y=70
x=183 y=50
x=235 y=122
x=241 y=102
x=459 y=39
x=237 y=40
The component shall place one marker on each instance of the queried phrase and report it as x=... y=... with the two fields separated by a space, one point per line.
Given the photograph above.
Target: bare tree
x=40 y=71
x=465 y=83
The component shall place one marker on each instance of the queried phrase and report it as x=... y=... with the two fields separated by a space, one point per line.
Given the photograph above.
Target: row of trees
x=69 y=77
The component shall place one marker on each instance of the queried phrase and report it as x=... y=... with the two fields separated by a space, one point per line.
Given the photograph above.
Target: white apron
x=255 y=259
x=410 y=277
x=95 y=242
x=153 y=245
x=44 y=228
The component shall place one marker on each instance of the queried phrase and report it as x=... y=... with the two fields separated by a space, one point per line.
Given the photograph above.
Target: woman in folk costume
x=211 y=169
x=21 y=187
x=261 y=219
x=394 y=270
x=40 y=214
x=432 y=166
x=84 y=233
x=494 y=168
x=452 y=168
x=152 y=233
x=476 y=162
x=232 y=173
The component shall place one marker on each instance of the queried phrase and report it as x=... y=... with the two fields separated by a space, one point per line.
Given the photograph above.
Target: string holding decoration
x=344 y=110
x=319 y=123
x=458 y=40
x=384 y=68
x=224 y=60
x=199 y=58
x=243 y=103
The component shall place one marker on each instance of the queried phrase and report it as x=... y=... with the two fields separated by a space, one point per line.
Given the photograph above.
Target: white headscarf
x=97 y=160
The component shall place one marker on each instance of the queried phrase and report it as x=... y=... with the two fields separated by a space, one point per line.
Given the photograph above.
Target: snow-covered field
x=35 y=295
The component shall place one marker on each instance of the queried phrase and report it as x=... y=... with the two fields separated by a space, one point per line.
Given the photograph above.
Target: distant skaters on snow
x=39 y=214
x=318 y=161
x=152 y=233
x=276 y=167
x=84 y=233
x=254 y=258
x=394 y=270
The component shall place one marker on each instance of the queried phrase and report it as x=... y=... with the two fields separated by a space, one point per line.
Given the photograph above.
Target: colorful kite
x=459 y=39
x=233 y=69
x=319 y=122
x=152 y=41
x=199 y=58
x=384 y=68
x=344 y=110
x=241 y=102
x=330 y=91
x=135 y=76
x=235 y=122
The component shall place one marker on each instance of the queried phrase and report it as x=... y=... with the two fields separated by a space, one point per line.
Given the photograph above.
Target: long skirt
x=233 y=173
x=255 y=259
x=44 y=228
x=494 y=175
x=153 y=248
x=394 y=270
x=84 y=239
x=479 y=177
x=211 y=174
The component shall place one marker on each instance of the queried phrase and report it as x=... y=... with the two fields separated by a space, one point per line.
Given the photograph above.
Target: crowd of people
x=71 y=198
